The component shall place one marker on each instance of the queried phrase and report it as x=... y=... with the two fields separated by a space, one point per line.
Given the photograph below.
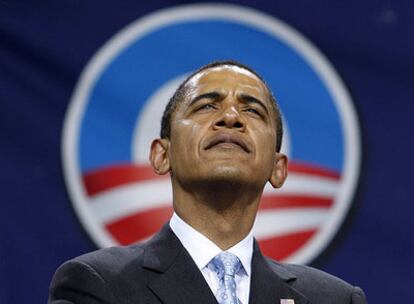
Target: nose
x=229 y=118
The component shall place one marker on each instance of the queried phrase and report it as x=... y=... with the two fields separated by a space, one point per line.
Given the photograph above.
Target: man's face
x=224 y=130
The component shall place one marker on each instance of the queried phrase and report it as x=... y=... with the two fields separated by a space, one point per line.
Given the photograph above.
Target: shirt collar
x=202 y=250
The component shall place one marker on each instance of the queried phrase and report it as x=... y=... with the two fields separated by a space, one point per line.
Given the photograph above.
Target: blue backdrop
x=45 y=45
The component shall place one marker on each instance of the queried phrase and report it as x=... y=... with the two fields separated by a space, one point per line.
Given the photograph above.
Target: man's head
x=221 y=125
x=182 y=91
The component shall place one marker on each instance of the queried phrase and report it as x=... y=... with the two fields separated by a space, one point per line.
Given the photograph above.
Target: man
x=220 y=142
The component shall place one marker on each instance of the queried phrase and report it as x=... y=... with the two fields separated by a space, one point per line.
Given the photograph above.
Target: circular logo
x=116 y=110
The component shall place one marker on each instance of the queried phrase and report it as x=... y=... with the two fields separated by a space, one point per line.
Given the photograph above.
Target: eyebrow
x=209 y=95
x=215 y=95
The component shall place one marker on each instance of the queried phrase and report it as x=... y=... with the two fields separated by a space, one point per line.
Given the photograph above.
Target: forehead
x=227 y=76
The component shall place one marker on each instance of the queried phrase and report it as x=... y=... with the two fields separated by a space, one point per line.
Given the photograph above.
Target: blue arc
x=120 y=92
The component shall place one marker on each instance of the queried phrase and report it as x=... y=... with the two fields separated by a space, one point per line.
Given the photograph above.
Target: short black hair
x=181 y=93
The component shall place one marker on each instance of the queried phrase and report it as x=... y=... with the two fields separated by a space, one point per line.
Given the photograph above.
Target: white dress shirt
x=202 y=250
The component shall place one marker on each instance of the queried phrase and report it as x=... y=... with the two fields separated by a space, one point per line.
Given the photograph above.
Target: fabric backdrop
x=46 y=45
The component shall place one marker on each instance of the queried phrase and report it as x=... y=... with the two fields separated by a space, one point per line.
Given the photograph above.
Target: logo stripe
x=113 y=176
x=286 y=244
x=142 y=225
x=139 y=226
x=300 y=167
x=103 y=179
x=280 y=222
x=118 y=203
x=283 y=201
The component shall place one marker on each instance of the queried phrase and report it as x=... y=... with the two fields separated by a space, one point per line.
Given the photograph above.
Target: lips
x=226 y=140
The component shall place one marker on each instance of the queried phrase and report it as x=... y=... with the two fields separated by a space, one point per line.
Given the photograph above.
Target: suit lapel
x=176 y=278
x=270 y=282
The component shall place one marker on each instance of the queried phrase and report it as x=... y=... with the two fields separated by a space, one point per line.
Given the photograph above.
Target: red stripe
x=110 y=177
x=140 y=225
x=292 y=201
x=304 y=168
x=281 y=247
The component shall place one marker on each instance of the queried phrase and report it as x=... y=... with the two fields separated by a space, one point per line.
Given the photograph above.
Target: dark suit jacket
x=162 y=271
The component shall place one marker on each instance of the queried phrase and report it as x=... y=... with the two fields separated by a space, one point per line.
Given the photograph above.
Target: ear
x=279 y=172
x=159 y=156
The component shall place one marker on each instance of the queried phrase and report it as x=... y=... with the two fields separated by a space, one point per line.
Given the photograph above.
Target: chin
x=231 y=174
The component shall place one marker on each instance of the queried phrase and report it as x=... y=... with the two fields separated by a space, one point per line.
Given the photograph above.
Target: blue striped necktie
x=226 y=265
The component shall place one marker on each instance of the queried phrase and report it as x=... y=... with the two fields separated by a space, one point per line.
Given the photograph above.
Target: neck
x=224 y=213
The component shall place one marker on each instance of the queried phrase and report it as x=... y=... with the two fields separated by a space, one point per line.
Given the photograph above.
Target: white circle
x=226 y=12
x=150 y=118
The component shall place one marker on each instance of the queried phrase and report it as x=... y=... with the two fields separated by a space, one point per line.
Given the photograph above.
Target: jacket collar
x=271 y=281
x=178 y=280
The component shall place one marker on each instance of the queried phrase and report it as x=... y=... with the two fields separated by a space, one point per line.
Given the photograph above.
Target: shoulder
x=112 y=258
x=107 y=264
x=318 y=285
x=102 y=274
x=309 y=275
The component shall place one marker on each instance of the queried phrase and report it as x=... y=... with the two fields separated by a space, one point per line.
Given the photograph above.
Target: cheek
x=184 y=122
x=185 y=136
x=187 y=130
x=267 y=143
x=264 y=134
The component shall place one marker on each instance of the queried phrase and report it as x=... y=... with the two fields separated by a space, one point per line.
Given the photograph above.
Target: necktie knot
x=226 y=264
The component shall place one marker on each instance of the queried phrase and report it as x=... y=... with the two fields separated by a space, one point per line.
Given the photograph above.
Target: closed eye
x=250 y=100
x=206 y=106
x=254 y=111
